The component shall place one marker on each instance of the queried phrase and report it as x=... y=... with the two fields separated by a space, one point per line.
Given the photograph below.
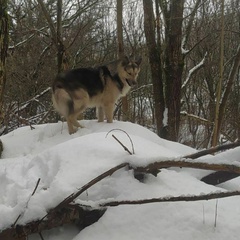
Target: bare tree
x=155 y=63
x=4 y=28
x=125 y=107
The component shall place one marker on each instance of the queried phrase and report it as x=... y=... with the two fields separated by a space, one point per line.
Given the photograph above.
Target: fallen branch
x=63 y=213
x=69 y=214
x=213 y=150
x=218 y=176
x=73 y=196
x=188 y=198
x=188 y=164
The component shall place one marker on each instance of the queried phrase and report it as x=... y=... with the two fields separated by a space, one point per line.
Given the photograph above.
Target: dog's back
x=86 y=78
x=77 y=89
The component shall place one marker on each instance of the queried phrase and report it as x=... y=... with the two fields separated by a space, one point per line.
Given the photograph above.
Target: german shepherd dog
x=75 y=90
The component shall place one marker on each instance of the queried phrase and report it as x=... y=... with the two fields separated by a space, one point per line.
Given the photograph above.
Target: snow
x=64 y=163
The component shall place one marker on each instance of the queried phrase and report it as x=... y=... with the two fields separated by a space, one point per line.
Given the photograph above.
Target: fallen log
x=76 y=214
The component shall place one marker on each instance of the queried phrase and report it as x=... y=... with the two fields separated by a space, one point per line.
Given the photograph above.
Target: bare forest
x=188 y=88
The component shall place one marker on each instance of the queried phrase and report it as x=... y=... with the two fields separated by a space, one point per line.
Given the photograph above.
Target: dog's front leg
x=108 y=109
x=100 y=114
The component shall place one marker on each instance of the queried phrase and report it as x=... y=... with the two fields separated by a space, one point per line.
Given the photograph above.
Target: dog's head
x=130 y=70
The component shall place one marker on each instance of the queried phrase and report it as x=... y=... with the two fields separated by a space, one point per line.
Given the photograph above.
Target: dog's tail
x=62 y=101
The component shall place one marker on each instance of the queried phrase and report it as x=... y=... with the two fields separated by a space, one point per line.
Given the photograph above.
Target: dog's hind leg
x=73 y=124
x=71 y=128
x=72 y=121
x=78 y=107
x=75 y=121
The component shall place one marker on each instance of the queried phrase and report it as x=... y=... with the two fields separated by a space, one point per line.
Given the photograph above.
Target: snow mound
x=64 y=163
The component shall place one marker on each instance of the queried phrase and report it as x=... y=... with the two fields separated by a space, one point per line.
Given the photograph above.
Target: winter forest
x=167 y=167
x=188 y=87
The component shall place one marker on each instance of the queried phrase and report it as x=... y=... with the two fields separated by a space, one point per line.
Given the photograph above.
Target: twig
x=24 y=121
x=46 y=115
x=118 y=129
x=41 y=236
x=216 y=211
x=20 y=215
x=38 y=181
x=124 y=147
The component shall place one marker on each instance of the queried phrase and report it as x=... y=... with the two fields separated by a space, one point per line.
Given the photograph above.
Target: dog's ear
x=125 y=61
x=138 y=61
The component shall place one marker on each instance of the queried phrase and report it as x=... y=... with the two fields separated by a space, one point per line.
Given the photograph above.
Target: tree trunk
x=174 y=63
x=155 y=63
x=125 y=104
x=62 y=59
x=217 y=121
x=4 y=30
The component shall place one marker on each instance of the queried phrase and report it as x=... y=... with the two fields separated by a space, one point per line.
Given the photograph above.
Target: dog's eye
x=130 y=74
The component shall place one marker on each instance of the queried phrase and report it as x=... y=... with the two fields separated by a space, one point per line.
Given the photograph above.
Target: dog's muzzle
x=131 y=82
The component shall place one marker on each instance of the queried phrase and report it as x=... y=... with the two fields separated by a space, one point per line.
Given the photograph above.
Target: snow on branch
x=193 y=70
x=25 y=104
x=188 y=198
x=22 y=42
x=196 y=118
x=184 y=51
x=186 y=161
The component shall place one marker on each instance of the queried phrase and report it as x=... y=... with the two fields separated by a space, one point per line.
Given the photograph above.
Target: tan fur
x=104 y=101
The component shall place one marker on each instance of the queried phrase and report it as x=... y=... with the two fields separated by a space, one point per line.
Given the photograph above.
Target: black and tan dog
x=78 y=89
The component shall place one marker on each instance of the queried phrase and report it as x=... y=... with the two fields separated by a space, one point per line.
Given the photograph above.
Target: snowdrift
x=64 y=163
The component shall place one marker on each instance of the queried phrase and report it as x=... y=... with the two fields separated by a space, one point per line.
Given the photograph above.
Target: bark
x=125 y=106
x=213 y=150
x=228 y=89
x=151 y=168
x=4 y=31
x=174 y=63
x=120 y=28
x=56 y=32
x=224 y=172
x=155 y=63
x=217 y=127
x=57 y=217
x=73 y=196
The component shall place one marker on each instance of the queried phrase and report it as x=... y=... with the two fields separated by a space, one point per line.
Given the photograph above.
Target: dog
x=75 y=90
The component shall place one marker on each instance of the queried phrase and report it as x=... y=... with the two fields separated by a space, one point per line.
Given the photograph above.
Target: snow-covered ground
x=64 y=163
